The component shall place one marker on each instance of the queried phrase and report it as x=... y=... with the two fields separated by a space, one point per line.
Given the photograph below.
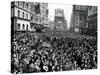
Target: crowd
x=34 y=52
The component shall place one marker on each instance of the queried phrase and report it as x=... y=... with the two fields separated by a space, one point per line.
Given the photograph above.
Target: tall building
x=78 y=18
x=92 y=20
x=28 y=16
x=20 y=16
x=59 y=20
x=39 y=16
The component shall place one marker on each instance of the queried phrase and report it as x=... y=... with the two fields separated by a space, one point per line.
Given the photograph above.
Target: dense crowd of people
x=37 y=52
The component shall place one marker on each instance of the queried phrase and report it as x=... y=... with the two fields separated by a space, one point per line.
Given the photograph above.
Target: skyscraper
x=59 y=20
x=78 y=18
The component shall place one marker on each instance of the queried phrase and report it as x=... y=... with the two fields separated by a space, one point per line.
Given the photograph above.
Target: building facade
x=39 y=16
x=92 y=20
x=78 y=18
x=28 y=16
x=20 y=16
x=59 y=20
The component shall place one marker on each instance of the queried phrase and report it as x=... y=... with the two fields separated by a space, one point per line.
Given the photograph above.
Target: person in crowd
x=52 y=52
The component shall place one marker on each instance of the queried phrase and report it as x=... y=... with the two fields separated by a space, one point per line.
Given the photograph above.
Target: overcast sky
x=67 y=11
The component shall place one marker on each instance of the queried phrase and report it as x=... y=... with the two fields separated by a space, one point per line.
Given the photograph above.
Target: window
x=27 y=5
x=94 y=9
x=90 y=8
x=80 y=16
x=27 y=16
x=76 y=20
x=23 y=4
x=18 y=3
x=18 y=25
x=27 y=27
x=18 y=13
x=23 y=26
x=31 y=18
x=47 y=12
x=23 y=14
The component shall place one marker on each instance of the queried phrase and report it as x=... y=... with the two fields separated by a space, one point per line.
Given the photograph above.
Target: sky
x=67 y=11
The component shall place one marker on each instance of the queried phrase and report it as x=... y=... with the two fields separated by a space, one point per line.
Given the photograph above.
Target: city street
x=47 y=37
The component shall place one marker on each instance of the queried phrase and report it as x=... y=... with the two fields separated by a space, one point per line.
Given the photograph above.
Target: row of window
x=81 y=8
x=23 y=4
x=23 y=26
x=36 y=19
x=22 y=14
